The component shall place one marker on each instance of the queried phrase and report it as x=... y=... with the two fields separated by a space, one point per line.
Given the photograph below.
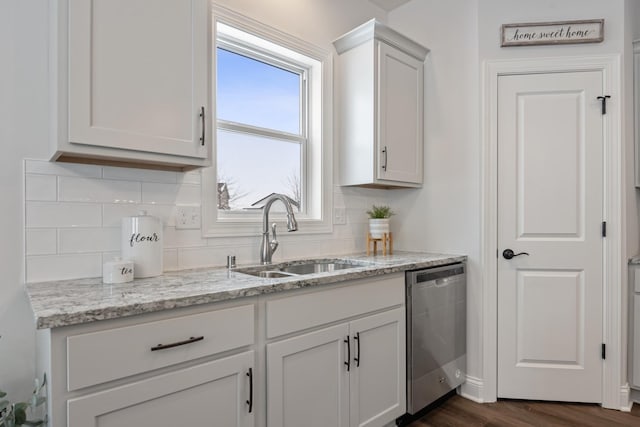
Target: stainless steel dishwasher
x=436 y=333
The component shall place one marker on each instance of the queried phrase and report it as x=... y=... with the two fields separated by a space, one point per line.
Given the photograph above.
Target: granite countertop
x=70 y=302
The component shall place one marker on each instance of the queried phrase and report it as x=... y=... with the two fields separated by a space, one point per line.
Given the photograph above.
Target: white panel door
x=308 y=381
x=378 y=374
x=400 y=117
x=550 y=202
x=211 y=394
x=138 y=73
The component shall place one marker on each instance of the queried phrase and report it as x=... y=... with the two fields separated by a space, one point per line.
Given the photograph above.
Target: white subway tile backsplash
x=41 y=241
x=97 y=190
x=44 y=268
x=170 y=260
x=74 y=214
x=160 y=193
x=184 y=194
x=215 y=256
x=145 y=175
x=182 y=238
x=81 y=240
x=191 y=177
x=189 y=195
x=113 y=213
x=41 y=187
x=62 y=169
x=56 y=214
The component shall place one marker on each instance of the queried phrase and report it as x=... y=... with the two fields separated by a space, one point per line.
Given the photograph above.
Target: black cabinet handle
x=348 y=362
x=357 y=358
x=508 y=254
x=177 y=344
x=250 y=401
x=202 y=117
x=385 y=152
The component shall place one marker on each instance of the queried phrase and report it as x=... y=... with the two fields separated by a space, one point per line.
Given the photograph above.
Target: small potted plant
x=15 y=414
x=379 y=220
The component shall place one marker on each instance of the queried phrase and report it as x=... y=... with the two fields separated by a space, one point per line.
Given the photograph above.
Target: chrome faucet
x=268 y=247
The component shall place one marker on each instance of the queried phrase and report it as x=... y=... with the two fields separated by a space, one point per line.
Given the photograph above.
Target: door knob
x=508 y=254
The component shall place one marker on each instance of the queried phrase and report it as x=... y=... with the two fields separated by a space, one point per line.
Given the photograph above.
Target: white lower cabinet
x=182 y=367
x=307 y=382
x=350 y=374
x=378 y=377
x=328 y=356
x=216 y=393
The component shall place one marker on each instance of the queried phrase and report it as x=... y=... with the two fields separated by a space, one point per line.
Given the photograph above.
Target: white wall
x=23 y=133
x=445 y=215
x=56 y=250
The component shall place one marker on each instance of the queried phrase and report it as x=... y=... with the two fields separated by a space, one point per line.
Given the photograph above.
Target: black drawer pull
x=357 y=358
x=348 y=362
x=250 y=401
x=202 y=117
x=176 y=344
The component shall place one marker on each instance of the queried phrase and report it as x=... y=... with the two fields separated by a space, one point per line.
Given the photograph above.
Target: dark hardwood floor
x=459 y=412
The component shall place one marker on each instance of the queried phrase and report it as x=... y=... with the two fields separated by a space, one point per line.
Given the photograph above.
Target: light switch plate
x=187 y=217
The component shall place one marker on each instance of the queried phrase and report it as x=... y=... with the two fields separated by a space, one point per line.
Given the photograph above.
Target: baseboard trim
x=472 y=389
x=626 y=403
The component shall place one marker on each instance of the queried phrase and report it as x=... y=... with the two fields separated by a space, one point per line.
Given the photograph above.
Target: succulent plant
x=381 y=211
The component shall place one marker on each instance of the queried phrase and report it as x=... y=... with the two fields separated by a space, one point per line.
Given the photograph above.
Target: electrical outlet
x=187 y=217
x=339 y=216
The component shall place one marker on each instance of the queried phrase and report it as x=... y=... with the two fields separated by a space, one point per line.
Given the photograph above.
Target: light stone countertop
x=70 y=302
x=634 y=260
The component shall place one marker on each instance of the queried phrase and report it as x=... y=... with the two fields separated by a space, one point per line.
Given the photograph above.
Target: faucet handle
x=274 y=239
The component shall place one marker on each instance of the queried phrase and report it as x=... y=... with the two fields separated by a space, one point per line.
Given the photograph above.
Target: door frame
x=615 y=389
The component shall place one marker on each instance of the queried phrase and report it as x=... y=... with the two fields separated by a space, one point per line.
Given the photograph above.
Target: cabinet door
x=378 y=378
x=400 y=116
x=307 y=380
x=212 y=393
x=138 y=73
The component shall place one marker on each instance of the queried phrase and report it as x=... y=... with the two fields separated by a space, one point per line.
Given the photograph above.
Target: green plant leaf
x=37 y=401
x=4 y=404
x=20 y=414
x=2 y=394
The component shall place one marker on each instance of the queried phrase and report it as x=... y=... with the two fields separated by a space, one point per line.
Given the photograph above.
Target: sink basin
x=298 y=268
x=270 y=274
x=317 y=267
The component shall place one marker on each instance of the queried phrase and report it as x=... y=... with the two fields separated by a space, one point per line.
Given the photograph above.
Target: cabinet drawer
x=299 y=312
x=102 y=356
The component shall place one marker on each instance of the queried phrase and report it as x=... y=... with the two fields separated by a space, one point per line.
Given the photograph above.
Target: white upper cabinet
x=381 y=93
x=131 y=82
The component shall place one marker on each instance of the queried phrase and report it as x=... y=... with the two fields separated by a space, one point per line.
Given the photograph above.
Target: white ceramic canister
x=117 y=271
x=142 y=243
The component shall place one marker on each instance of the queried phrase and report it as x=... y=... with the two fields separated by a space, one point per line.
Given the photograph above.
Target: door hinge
x=603 y=100
x=604 y=351
x=604 y=228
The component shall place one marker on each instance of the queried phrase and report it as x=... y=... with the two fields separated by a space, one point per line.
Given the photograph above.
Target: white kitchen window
x=272 y=99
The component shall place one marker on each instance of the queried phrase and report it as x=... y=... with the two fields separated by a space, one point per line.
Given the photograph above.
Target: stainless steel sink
x=317 y=267
x=302 y=267
x=270 y=274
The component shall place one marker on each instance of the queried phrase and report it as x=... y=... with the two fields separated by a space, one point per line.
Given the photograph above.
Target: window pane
x=251 y=167
x=258 y=94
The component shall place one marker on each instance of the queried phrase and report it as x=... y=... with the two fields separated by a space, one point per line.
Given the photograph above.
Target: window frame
x=240 y=47
x=316 y=173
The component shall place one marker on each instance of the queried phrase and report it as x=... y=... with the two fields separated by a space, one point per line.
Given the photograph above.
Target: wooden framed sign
x=561 y=32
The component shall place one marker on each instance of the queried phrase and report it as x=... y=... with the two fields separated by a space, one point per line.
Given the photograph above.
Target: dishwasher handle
x=438 y=275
